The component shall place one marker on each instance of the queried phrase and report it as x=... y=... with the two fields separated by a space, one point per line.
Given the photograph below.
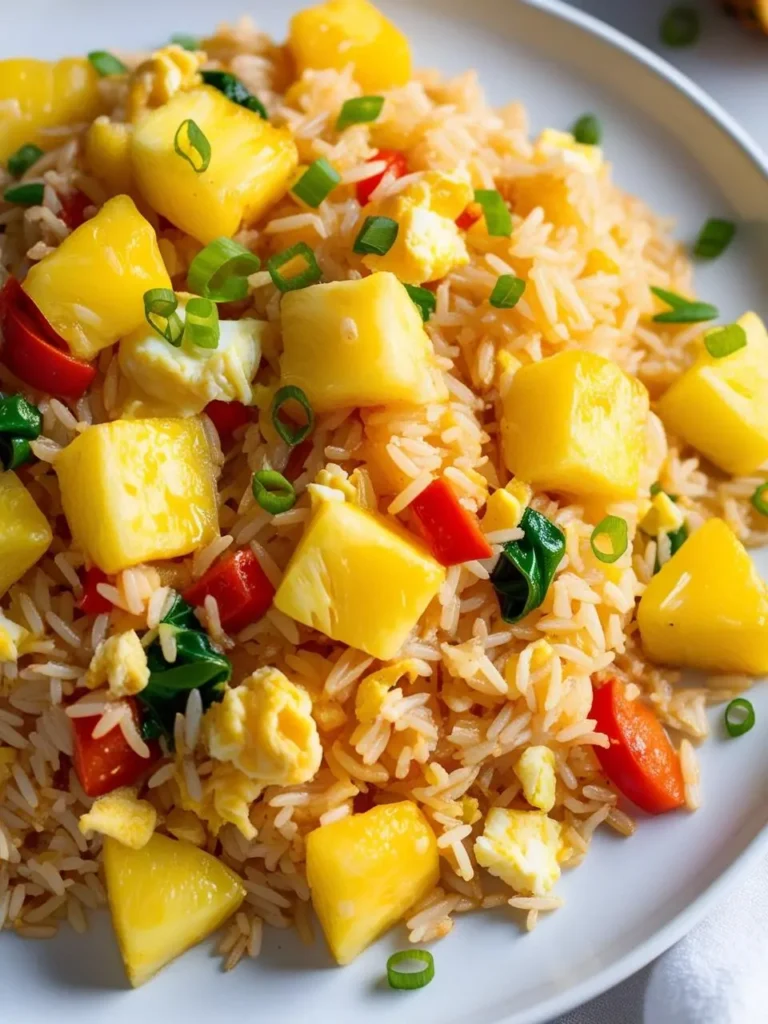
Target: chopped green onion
x=360 y=110
x=680 y=26
x=273 y=492
x=611 y=534
x=14 y=452
x=19 y=418
x=28 y=194
x=683 y=311
x=655 y=489
x=292 y=435
x=377 y=236
x=724 y=341
x=160 y=311
x=198 y=143
x=317 y=182
x=106 y=63
x=234 y=90
x=20 y=161
x=739 y=717
x=410 y=979
x=587 y=130
x=714 y=238
x=202 y=323
x=221 y=270
x=185 y=41
x=759 y=499
x=423 y=299
x=310 y=275
x=498 y=219
x=507 y=291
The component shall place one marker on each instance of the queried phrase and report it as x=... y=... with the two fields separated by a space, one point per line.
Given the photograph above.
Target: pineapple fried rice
x=483 y=721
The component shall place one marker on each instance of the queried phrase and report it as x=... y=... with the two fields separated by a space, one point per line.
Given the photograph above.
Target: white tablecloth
x=732 y=65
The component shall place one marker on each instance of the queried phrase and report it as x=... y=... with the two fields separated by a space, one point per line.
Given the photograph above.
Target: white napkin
x=718 y=974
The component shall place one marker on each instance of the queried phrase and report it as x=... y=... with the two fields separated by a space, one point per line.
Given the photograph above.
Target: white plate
x=671 y=145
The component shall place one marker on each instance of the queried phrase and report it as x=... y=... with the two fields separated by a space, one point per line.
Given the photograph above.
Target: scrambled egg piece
x=12 y=637
x=121 y=662
x=168 y=381
x=231 y=794
x=576 y=154
x=122 y=816
x=522 y=848
x=373 y=690
x=264 y=727
x=166 y=72
x=663 y=516
x=428 y=243
x=536 y=770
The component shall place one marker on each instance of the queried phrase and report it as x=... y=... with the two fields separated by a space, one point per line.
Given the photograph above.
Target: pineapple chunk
x=575 y=422
x=358 y=579
x=24 y=531
x=251 y=165
x=39 y=94
x=504 y=509
x=365 y=871
x=664 y=516
x=138 y=490
x=164 y=899
x=91 y=289
x=720 y=406
x=108 y=154
x=707 y=606
x=121 y=815
x=342 y=32
x=357 y=343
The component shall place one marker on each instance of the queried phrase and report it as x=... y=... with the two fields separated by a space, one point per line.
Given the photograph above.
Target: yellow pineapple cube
x=575 y=422
x=358 y=579
x=138 y=490
x=108 y=154
x=358 y=343
x=707 y=607
x=24 y=531
x=91 y=289
x=365 y=871
x=251 y=164
x=342 y=32
x=165 y=898
x=720 y=406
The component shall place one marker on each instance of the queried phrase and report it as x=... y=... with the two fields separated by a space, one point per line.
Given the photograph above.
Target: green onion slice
x=680 y=26
x=317 y=182
x=14 y=452
x=28 y=194
x=588 y=130
x=106 y=63
x=234 y=90
x=220 y=271
x=160 y=311
x=423 y=299
x=20 y=161
x=724 y=341
x=410 y=979
x=759 y=499
x=190 y=138
x=273 y=492
x=498 y=219
x=714 y=238
x=202 y=323
x=186 y=41
x=682 y=310
x=377 y=236
x=507 y=291
x=19 y=418
x=739 y=717
x=311 y=273
x=292 y=435
x=360 y=110
x=609 y=539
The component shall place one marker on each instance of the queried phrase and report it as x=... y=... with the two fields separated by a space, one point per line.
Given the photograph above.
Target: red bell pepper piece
x=470 y=216
x=241 y=588
x=640 y=761
x=34 y=353
x=452 y=532
x=73 y=207
x=108 y=762
x=397 y=164
x=92 y=602
x=227 y=416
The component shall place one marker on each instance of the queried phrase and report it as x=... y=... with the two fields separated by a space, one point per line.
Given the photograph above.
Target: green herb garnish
x=714 y=238
x=377 y=236
x=507 y=291
x=191 y=139
x=20 y=161
x=682 y=310
x=609 y=539
x=292 y=435
x=498 y=219
x=316 y=183
x=360 y=110
x=106 y=63
x=234 y=90
x=527 y=566
x=680 y=26
x=588 y=130
x=739 y=717
x=311 y=273
x=423 y=299
x=724 y=341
